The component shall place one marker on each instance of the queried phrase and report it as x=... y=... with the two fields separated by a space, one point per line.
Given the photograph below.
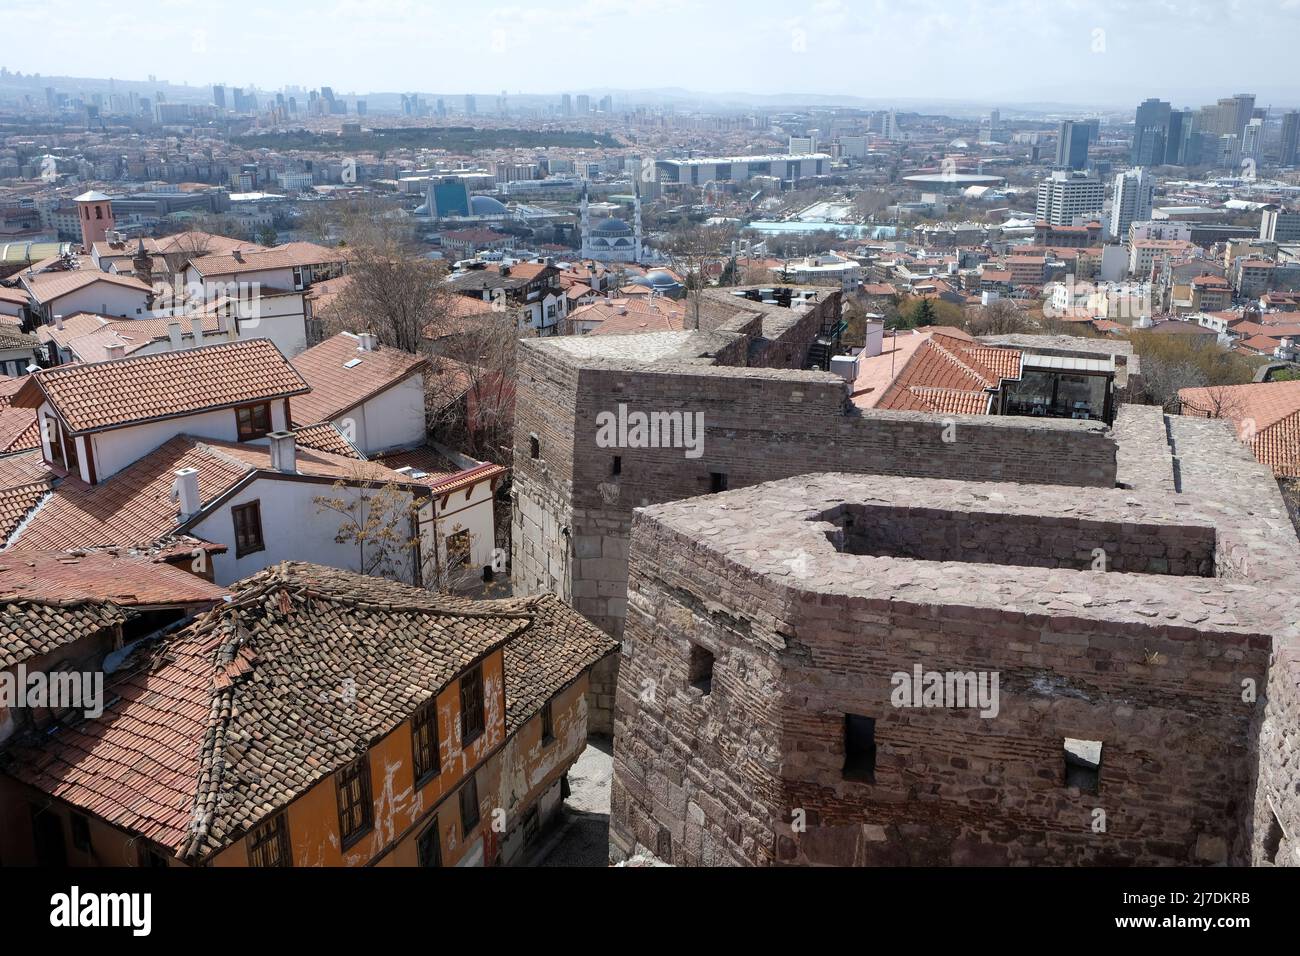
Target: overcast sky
x=1081 y=51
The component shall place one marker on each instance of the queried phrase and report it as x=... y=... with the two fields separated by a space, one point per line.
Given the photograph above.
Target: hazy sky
x=1083 y=51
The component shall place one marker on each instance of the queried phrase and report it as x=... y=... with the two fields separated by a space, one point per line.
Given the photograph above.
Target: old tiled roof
x=281 y=257
x=1266 y=415
x=135 y=507
x=19 y=430
x=327 y=437
x=336 y=387
x=439 y=473
x=48 y=286
x=48 y=599
x=132 y=390
x=951 y=373
x=300 y=673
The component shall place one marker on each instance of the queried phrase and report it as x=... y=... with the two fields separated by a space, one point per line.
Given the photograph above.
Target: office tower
x=803 y=145
x=1132 y=201
x=1151 y=133
x=566 y=104
x=1279 y=224
x=1181 y=124
x=1290 y=138
x=584 y=104
x=219 y=97
x=1252 y=142
x=1066 y=198
x=1072 y=145
x=471 y=105
x=361 y=107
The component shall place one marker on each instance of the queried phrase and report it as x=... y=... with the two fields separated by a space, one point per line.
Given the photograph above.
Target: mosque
x=611 y=240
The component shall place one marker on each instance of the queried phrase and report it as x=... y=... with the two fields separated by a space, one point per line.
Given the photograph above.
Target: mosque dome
x=611 y=229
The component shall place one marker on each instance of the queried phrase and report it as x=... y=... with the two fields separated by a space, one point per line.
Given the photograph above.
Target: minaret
x=636 y=222
x=585 y=225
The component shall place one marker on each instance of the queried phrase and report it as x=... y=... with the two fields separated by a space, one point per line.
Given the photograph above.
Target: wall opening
x=1083 y=764
x=701 y=669
x=859 y=748
x=1273 y=838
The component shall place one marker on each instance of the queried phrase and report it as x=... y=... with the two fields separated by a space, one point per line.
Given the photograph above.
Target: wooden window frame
x=467 y=823
x=430 y=831
x=236 y=511
x=426 y=718
x=473 y=701
x=269 y=836
x=253 y=432
x=358 y=770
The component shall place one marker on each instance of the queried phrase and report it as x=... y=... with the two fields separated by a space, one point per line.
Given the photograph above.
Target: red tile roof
x=1266 y=414
x=145 y=388
x=950 y=373
x=342 y=376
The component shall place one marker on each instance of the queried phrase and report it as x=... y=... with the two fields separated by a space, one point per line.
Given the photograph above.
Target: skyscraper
x=1066 y=198
x=471 y=105
x=1290 y=138
x=219 y=97
x=1072 y=145
x=1151 y=133
x=1253 y=142
x=1132 y=201
x=1182 y=126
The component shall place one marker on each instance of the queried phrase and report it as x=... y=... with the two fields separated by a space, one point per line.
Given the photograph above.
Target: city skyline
x=771 y=52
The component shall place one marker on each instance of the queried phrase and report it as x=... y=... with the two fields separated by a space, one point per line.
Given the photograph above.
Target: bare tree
x=690 y=252
x=375 y=516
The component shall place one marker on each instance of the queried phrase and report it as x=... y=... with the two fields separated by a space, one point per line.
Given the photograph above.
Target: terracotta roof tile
x=342 y=376
x=143 y=388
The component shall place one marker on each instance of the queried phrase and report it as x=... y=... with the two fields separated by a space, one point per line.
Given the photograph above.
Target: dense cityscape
x=627 y=476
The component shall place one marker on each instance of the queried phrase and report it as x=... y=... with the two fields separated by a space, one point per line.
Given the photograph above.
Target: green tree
x=268 y=237
x=923 y=314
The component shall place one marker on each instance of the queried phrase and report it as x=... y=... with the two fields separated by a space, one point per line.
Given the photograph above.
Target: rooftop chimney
x=185 y=490
x=196 y=324
x=58 y=322
x=115 y=350
x=284 y=452
x=174 y=333
x=367 y=342
x=239 y=256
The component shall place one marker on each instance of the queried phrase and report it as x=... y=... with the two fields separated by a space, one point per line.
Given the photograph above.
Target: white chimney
x=875 y=343
x=367 y=342
x=196 y=324
x=174 y=333
x=115 y=350
x=58 y=322
x=284 y=452
x=185 y=491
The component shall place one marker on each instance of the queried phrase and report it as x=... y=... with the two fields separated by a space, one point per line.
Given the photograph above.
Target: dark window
x=1083 y=764
x=248 y=528
x=548 y=724
x=70 y=449
x=429 y=846
x=254 y=421
x=354 y=800
x=99 y=212
x=468 y=807
x=54 y=434
x=424 y=738
x=859 y=748
x=81 y=833
x=534 y=447
x=471 y=706
x=701 y=669
x=618 y=465
x=717 y=482
x=268 y=844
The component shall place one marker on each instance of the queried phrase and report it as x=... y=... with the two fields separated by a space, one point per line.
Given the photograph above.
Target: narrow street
x=581 y=835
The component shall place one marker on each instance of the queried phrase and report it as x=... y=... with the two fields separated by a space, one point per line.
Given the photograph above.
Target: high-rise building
x=471 y=105
x=1252 y=143
x=1290 y=138
x=1151 y=133
x=584 y=104
x=219 y=97
x=1072 y=145
x=1069 y=198
x=1182 y=124
x=1134 y=196
x=802 y=145
x=566 y=105
x=1280 y=225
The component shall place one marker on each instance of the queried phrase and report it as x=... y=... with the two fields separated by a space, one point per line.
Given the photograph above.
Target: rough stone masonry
x=801 y=598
